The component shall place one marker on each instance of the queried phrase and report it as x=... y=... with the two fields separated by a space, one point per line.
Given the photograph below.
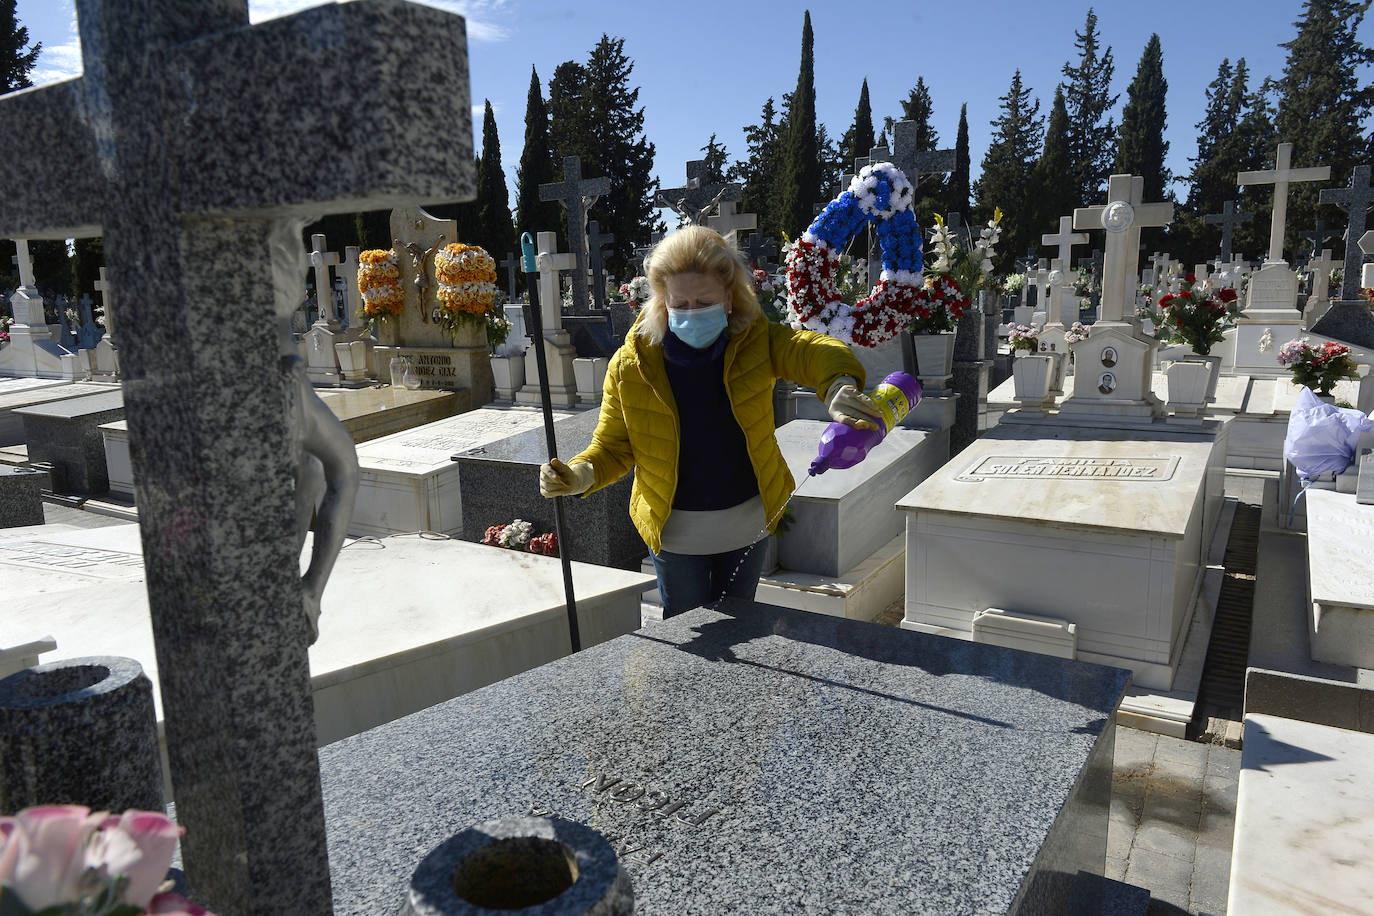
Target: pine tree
x=533 y=215
x=801 y=171
x=496 y=231
x=620 y=151
x=1005 y=181
x=15 y=59
x=717 y=160
x=957 y=192
x=1055 y=192
x=918 y=107
x=760 y=169
x=832 y=166
x=1088 y=99
x=1321 y=104
x=1141 y=147
x=858 y=140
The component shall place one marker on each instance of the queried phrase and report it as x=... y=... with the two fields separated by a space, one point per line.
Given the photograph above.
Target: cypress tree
x=716 y=159
x=16 y=60
x=536 y=167
x=858 y=140
x=1055 y=192
x=1321 y=104
x=1088 y=99
x=496 y=231
x=957 y=193
x=1141 y=146
x=1005 y=181
x=801 y=174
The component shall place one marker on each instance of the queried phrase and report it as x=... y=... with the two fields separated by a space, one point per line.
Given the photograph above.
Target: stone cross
x=551 y=267
x=24 y=261
x=1042 y=288
x=1280 y=177
x=576 y=194
x=1166 y=267
x=1319 y=234
x=1355 y=200
x=1228 y=217
x=1065 y=240
x=596 y=242
x=151 y=150
x=1321 y=268
x=102 y=286
x=89 y=332
x=1201 y=273
x=348 y=272
x=642 y=253
x=1061 y=305
x=759 y=249
x=511 y=262
x=1122 y=217
x=695 y=200
x=321 y=260
x=916 y=164
x=728 y=223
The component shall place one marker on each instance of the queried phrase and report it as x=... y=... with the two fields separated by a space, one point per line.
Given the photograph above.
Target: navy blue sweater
x=713 y=467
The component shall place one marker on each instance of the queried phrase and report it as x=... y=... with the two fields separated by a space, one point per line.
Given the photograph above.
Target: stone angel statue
x=325 y=459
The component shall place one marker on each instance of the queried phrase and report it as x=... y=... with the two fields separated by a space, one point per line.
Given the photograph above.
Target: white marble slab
x=407 y=621
x=12 y=385
x=1340 y=574
x=1304 y=835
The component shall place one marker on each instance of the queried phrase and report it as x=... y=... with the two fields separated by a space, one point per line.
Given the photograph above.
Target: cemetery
x=1067 y=607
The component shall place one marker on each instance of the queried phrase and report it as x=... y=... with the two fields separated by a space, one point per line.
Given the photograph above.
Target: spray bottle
x=844 y=446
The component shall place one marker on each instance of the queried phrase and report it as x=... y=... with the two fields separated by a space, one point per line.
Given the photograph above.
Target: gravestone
x=1227 y=219
x=914 y=163
x=1349 y=319
x=31 y=351
x=440 y=359
x=511 y=265
x=186 y=196
x=88 y=334
x=557 y=343
x=1318 y=236
x=106 y=351
x=576 y=195
x=596 y=243
x=21 y=497
x=66 y=434
x=733 y=756
x=1320 y=298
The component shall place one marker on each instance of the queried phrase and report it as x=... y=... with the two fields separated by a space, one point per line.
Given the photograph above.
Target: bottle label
x=893 y=403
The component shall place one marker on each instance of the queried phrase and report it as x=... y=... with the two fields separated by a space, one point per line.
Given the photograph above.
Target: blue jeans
x=686 y=581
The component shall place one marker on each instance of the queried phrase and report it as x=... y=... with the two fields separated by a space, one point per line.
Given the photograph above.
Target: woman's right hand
x=559 y=479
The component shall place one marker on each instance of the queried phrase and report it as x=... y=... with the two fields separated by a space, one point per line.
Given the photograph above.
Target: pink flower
x=170 y=904
x=137 y=845
x=41 y=858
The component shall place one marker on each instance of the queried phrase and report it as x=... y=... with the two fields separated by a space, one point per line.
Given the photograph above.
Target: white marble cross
x=348 y=270
x=1280 y=176
x=1123 y=216
x=321 y=260
x=1200 y=273
x=551 y=265
x=1065 y=239
x=1321 y=268
x=24 y=262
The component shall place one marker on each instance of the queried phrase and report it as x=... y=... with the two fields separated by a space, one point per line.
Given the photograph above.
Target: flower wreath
x=379 y=282
x=881 y=195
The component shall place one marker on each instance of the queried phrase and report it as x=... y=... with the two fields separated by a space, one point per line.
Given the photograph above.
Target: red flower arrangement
x=1197 y=315
x=940 y=305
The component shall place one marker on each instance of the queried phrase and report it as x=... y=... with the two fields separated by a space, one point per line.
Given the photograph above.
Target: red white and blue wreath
x=881 y=195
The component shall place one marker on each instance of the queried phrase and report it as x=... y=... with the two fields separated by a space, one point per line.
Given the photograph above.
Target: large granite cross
x=759 y=249
x=1280 y=176
x=1355 y=200
x=576 y=194
x=696 y=199
x=914 y=163
x=596 y=242
x=511 y=262
x=192 y=136
x=1123 y=216
x=1228 y=217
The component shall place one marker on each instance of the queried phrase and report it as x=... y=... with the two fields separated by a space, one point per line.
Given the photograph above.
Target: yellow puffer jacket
x=638 y=427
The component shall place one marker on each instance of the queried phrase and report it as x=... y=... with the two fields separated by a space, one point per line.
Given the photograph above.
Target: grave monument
x=31 y=351
x=557 y=343
x=1349 y=319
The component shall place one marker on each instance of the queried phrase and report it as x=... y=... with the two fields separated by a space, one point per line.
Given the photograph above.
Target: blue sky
x=708 y=66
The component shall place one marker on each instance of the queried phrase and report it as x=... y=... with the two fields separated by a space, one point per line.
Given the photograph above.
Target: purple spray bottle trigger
x=843 y=446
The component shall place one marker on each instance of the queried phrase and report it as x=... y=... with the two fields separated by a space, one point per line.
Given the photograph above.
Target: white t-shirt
x=698 y=532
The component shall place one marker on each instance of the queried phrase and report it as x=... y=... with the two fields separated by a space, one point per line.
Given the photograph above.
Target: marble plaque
x=1146 y=469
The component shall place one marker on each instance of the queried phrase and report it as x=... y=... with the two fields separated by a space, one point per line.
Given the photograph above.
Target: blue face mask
x=698 y=328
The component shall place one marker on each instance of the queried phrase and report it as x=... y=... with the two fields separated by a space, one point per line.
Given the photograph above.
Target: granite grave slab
x=499 y=481
x=21 y=496
x=1340 y=622
x=755 y=759
x=33 y=392
x=67 y=435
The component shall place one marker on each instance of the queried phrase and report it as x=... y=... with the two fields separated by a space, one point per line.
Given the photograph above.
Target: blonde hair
x=696 y=249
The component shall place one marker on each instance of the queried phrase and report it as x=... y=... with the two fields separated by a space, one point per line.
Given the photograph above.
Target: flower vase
x=1032 y=375
x=509 y=374
x=1189 y=381
x=934 y=357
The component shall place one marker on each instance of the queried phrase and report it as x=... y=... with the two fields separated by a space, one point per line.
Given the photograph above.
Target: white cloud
x=59 y=61
x=479 y=111
x=483 y=16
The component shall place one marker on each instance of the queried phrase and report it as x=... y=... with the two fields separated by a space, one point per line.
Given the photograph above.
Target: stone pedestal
x=31 y=350
x=80 y=731
x=67 y=435
x=559 y=354
x=21 y=496
x=590 y=373
x=1270 y=319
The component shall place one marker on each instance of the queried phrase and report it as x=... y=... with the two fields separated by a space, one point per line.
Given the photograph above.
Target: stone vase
x=509 y=374
x=1189 y=380
x=934 y=354
x=1032 y=375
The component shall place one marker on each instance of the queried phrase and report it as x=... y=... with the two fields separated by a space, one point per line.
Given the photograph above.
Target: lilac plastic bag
x=1322 y=437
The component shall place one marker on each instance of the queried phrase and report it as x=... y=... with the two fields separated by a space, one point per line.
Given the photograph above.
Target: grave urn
x=529 y=864
x=934 y=354
x=1196 y=377
x=80 y=731
x=1032 y=375
x=509 y=374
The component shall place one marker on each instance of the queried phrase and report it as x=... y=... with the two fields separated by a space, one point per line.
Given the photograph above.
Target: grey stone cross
x=1319 y=234
x=511 y=262
x=759 y=249
x=596 y=242
x=1122 y=217
x=1094 y=264
x=191 y=140
x=917 y=164
x=576 y=193
x=1355 y=200
x=1228 y=217
x=1280 y=176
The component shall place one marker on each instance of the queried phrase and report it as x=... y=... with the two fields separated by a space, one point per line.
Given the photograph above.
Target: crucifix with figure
x=191 y=144
x=576 y=194
x=1349 y=319
x=1062 y=309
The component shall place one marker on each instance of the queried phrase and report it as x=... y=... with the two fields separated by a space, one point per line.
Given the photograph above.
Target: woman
x=688 y=404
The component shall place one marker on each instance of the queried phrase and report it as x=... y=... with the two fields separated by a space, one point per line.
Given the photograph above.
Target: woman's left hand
x=850 y=406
